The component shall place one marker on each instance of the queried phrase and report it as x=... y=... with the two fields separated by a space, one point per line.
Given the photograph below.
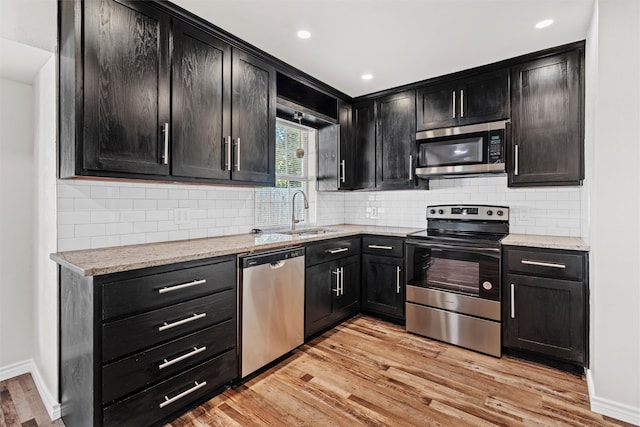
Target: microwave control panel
x=496 y=146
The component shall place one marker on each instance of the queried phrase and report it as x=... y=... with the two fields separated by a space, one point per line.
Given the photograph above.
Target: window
x=273 y=204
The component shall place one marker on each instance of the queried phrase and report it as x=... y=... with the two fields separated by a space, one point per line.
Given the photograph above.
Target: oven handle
x=494 y=252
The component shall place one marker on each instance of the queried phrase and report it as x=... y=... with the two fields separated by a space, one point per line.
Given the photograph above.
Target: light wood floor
x=21 y=406
x=369 y=372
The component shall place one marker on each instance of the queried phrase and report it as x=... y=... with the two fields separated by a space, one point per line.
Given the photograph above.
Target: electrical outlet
x=181 y=216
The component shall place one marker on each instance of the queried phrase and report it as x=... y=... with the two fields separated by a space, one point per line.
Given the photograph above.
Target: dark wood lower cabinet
x=382 y=285
x=332 y=293
x=545 y=306
x=145 y=363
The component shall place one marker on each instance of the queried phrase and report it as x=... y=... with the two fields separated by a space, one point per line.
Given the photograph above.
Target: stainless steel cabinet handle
x=398 y=279
x=227 y=144
x=238 y=155
x=341 y=280
x=337 y=289
x=410 y=167
x=169 y=401
x=515 y=161
x=461 y=103
x=165 y=155
x=337 y=251
x=181 y=286
x=453 y=104
x=342 y=171
x=195 y=351
x=387 y=248
x=513 y=302
x=166 y=325
x=543 y=264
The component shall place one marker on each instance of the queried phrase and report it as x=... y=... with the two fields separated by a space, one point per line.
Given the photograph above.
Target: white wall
x=16 y=222
x=614 y=149
x=45 y=239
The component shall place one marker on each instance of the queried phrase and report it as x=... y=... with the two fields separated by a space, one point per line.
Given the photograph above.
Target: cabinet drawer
x=144 y=408
x=547 y=262
x=386 y=246
x=332 y=249
x=145 y=330
x=160 y=290
x=127 y=375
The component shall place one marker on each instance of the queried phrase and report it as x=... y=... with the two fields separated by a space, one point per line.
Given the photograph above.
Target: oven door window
x=454 y=151
x=468 y=273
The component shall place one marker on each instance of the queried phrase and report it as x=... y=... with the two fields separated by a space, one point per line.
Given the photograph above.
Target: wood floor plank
x=10 y=414
x=370 y=372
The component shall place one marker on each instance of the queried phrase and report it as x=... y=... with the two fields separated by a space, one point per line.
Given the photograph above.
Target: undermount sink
x=307 y=231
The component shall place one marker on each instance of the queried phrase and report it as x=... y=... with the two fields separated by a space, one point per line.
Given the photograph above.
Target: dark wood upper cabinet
x=126 y=88
x=547 y=132
x=347 y=166
x=475 y=99
x=395 y=140
x=364 y=144
x=254 y=120
x=146 y=95
x=200 y=104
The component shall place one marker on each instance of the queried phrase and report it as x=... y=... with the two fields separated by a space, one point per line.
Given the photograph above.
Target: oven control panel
x=468 y=212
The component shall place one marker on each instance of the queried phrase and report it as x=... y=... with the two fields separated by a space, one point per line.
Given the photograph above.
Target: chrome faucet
x=294 y=221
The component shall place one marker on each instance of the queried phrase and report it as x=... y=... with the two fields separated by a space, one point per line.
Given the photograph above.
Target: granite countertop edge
x=546 y=242
x=97 y=262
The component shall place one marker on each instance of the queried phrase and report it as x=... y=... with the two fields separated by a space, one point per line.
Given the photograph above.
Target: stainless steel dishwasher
x=271 y=296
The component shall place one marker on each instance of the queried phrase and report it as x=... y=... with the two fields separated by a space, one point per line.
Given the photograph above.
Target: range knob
x=500 y=213
x=489 y=212
x=432 y=211
x=440 y=211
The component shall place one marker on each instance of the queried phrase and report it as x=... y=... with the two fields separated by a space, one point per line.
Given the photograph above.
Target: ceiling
x=397 y=41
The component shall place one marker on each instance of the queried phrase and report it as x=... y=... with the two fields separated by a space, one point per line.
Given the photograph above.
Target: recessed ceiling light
x=545 y=23
x=304 y=34
x=367 y=76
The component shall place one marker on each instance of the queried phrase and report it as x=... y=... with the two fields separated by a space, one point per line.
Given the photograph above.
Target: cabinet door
x=126 y=87
x=347 y=300
x=347 y=165
x=364 y=148
x=200 y=104
x=253 y=120
x=328 y=154
x=395 y=140
x=547 y=122
x=383 y=285
x=320 y=287
x=436 y=106
x=484 y=98
x=546 y=316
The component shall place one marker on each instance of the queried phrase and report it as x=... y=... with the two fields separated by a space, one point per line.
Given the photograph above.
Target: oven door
x=465 y=269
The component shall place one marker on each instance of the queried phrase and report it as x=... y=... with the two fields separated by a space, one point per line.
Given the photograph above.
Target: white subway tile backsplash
x=145 y=204
x=132 y=193
x=89 y=230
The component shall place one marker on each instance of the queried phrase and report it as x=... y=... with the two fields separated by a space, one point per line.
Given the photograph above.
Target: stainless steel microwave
x=463 y=150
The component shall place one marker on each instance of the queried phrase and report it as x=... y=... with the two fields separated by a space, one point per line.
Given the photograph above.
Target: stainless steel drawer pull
x=337 y=251
x=181 y=286
x=513 y=301
x=195 y=351
x=181 y=322
x=543 y=264
x=337 y=289
x=410 y=167
x=169 y=401
x=387 y=248
x=515 y=161
x=453 y=104
x=227 y=144
x=342 y=171
x=398 y=279
x=238 y=157
x=165 y=155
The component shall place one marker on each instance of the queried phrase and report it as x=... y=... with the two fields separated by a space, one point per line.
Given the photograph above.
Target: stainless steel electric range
x=453 y=276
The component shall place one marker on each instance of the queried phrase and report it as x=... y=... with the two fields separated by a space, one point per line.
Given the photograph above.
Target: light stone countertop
x=95 y=262
x=547 y=242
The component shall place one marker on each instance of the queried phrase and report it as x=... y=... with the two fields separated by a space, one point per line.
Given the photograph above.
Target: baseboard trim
x=619 y=411
x=29 y=367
